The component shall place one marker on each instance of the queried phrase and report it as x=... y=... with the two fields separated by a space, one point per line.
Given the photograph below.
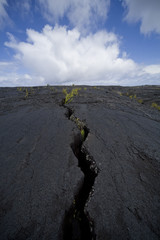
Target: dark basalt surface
x=47 y=169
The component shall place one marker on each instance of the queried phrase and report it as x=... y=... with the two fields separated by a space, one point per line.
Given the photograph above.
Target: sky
x=86 y=42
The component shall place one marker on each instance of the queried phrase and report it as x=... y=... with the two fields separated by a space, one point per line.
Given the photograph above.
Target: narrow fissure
x=77 y=223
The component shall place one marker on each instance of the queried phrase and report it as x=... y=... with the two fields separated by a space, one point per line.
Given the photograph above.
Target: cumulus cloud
x=145 y=11
x=62 y=56
x=83 y=14
x=3 y=13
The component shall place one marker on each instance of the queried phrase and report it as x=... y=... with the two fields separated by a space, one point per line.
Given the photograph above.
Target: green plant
x=64 y=91
x=155 y=105
x=120 y=93
x=83 y=134
x=19 y=89
x=52 y=88
x=79 y=123
x=140 y=101
x=32 y=90
x=69 y=96
x=26 y=93
x=131 y=96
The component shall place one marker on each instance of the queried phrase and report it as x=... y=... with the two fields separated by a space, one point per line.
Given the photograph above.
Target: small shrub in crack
x=77 y=222
x=78 y=122
x=69 y=96
x=83 y=134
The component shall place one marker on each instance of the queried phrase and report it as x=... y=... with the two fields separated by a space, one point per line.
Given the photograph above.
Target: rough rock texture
x=39 y=176
x=38 y=171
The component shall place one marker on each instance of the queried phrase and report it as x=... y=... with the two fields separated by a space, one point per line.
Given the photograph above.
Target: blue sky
x=100 y=42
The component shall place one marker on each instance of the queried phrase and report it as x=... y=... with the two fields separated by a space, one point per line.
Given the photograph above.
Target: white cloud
x=62 y=56
x=83 y=14
x=145 y=11
x=15 y=80
x=3 y=13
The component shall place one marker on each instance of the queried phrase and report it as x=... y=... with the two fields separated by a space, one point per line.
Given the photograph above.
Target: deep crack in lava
x=77 y=223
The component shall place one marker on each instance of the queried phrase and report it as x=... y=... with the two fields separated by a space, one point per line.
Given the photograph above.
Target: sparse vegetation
x=51 y=88
x=140 y=101
x=64 y=91
x=26 y=93
x=19 y=89
x=25 y=90
x=120 y=93
x=155 y=105
x=69 y=96
x=133 y=96
x=80 y=125
x=83 y=134
x=32 y=89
